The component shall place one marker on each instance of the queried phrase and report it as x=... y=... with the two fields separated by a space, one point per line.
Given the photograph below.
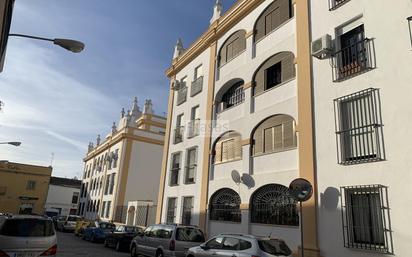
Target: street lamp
x=68 y=44
x=11 y=143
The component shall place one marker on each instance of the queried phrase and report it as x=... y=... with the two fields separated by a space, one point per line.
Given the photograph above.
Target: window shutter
x=284 y=11
x=218 y=152
x=237 y=147
x=288 y=67
x=288 y=135
x=277 y=138
x=223 y=56
x=268 y=140
x=225 y=151
x=258 y=141
x=276 y=20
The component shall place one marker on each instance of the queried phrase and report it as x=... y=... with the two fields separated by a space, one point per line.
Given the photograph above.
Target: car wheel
x=118 y=247
x=133 y=251
x=159 y=253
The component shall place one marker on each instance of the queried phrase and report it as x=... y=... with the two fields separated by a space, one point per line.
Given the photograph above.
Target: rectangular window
x=75 y=197
x=359 y=127
x=171 y=209
x=112 y=184
x=198 y=72
x=191 y=163
x=31 y=185
x=103 y=211
x=182 y=91
x=106 y=188
x=273 y=76
x=279 y=138
x=366 y=218
x=175 y=169
x=109 y=203
x=115 y=158
x=231 y=48
x=194 y=125
x=179 y=130
x=187 y=210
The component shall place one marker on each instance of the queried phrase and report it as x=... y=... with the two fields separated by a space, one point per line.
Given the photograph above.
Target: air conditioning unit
x=322 y=47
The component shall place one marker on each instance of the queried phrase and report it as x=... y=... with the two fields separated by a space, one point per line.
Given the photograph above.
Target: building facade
x=63 y=196
x=23 y=188
x=361 y=109
x=124 y=166
x=239 y=126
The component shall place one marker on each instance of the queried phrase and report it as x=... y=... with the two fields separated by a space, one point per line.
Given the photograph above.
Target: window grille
x=359 y=128
x=234 y=96
x=191 y=164
x=187 y=210
x=196 y=87
x=272 y=204
x=175 y=169
x=171 y=210
x=356 y=55
x=182 y=94
x=335 y=4
x=225 y=206
x=366 y=218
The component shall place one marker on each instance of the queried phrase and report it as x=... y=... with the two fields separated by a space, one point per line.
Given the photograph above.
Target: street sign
x=6 y=11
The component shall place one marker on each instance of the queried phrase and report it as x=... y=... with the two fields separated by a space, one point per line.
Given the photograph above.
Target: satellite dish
x=300 y=189
x=248 y=180
x=236 y=176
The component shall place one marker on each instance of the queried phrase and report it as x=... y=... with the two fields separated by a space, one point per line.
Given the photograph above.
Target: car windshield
x=27 y=228
x=190 y=235
x=275 y=247
x=74 y=218
x=130 y=229
x=107 y=226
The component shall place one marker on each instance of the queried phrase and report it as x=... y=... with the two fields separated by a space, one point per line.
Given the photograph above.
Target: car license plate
x=25 y=255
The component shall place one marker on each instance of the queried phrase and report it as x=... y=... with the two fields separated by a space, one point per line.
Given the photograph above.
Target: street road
x=68 y=245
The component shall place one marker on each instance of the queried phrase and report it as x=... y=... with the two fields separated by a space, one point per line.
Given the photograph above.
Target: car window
x=148 y=231
x=163 y=232
x=130 y=229
x=119 y=229
x=73 y=218
x=190 y=235
x=107 y=226
x=274 y=246
x=245 y=244
x=27 y=228
x=215 y=243
x=231 y=243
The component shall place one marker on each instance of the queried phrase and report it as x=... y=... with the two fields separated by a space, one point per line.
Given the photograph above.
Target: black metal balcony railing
x=181 y=95
x=353 y=60
x=334 y=4
x=194 y=128
x=179 y=131
x=197 y=86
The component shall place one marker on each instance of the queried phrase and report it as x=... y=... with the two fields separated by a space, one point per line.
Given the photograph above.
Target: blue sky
x=56 y=101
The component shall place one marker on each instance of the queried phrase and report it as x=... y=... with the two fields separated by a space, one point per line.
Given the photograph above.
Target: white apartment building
x=63 y=196
x=123 y=167
x=362 y=90
x=239 y=126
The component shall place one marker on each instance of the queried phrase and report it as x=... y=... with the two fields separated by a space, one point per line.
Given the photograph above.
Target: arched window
x=233 y=96
x=234 y=45
x=275 y=134
x=225 y=206
x=275 y=15
x=228 y=148
x=274 y=71
x=272 y=204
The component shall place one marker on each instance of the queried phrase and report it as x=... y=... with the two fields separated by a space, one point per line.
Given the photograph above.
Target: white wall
x=61 y=197
x=385 y=21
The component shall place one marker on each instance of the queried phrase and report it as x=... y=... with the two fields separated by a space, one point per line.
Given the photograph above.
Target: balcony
x=197 y=86
x=353 y=60
x=179 y=131
x=194 y=127
x=181 y=95
x=334 y=4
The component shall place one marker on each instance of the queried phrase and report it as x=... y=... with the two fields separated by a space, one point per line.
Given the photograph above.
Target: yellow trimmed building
x=23 y=187
x=124 y=168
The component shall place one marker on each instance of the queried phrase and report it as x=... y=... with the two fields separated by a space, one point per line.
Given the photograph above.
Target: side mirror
x=204 y=247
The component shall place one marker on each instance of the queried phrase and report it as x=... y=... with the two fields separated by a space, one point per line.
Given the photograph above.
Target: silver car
x=166 y=240
x=234 y=245
x=28 y=236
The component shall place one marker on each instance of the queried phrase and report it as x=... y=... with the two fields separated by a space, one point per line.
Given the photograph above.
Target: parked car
x=81 y=226
x=58 y=220
x=121 y=238
x=27 y=235
x=98 y=232
x=68 y=224
x=166 y=240
x=3 y=218
x=240 y=246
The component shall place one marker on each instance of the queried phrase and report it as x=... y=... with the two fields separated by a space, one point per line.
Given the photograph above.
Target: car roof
x=30 y=217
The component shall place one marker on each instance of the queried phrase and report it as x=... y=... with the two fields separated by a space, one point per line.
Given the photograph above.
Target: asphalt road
x=68 y=245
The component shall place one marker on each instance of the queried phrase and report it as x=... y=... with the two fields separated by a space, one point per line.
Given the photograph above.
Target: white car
x=28 y=236
x=68 y=223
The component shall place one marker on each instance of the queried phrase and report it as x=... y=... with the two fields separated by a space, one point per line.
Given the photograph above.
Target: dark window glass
x=171 y=209
x=274 y=75
x=225 y=206
x=190 y=235
x=215 y=243
x=163 y=232
x=234 y=96
x=275 y=247
x=71 y=218
x=75 y=197
x=245 y=245
x=27 y=228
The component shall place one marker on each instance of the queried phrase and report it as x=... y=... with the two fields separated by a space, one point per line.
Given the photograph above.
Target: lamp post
x=68 y=44
x=410 y=27
x=11 y=143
